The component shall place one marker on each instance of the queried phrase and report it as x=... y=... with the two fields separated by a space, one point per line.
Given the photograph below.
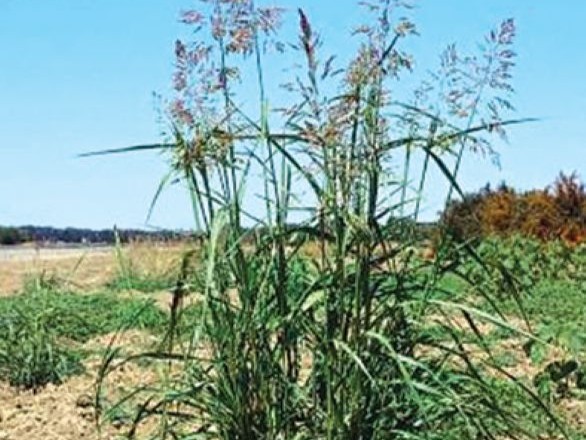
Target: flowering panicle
x=475 y=89
x=379 y=56
x=239 y=23
x=180 y=113
x=469 y=88
x=205 y=67
x=192 y=17
x=308 y=43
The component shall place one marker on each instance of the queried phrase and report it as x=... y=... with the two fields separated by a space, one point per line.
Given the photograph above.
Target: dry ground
x=85 y=268
x=66 y=412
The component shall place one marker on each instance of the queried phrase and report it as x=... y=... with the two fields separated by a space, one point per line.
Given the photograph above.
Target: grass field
x=85 y=268
x=66 y=323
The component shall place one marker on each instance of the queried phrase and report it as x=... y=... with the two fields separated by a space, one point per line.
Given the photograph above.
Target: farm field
x=338 y=225
x=93 y=311
x=83 y=266
x=90 y=288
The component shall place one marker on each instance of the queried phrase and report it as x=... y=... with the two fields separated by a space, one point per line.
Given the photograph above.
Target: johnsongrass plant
x=314 y=303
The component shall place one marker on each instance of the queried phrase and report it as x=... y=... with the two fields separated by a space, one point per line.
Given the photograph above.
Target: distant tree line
x=46 y=234
x=9 y=236
x=556 y=212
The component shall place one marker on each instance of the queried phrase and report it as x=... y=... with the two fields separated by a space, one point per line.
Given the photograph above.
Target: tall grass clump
x=42 y=329
x=315 y=329
x=32 y=350
x=31 y=355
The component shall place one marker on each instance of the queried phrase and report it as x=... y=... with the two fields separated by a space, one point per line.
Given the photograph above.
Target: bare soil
x=67 y=412
x=87 y=267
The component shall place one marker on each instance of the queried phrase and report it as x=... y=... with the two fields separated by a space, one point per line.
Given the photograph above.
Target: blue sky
x=78 y=75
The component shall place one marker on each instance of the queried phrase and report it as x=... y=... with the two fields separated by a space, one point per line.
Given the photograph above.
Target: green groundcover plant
x=31 y=355
x=42 y=329
x=315 y=328
x=520 y=263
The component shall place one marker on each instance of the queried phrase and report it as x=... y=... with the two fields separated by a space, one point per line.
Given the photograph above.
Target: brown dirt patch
x=66 y=412
x=84 y=269
x=79 y=267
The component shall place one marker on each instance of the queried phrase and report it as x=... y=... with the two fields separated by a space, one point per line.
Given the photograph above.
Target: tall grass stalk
x=317 y=330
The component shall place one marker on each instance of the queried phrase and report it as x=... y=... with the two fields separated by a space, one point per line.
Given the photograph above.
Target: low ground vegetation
x=51 y=333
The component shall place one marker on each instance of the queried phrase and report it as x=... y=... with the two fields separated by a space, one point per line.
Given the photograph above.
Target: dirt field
x=66 y=412
x=84 y=268
x=31 y=253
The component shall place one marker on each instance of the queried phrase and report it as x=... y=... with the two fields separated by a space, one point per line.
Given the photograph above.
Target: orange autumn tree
x=570 y=198
x=555 y=212
x=497 y=211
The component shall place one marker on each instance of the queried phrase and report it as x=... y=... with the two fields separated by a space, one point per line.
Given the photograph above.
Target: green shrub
x=31 y=353
x=559 y=309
